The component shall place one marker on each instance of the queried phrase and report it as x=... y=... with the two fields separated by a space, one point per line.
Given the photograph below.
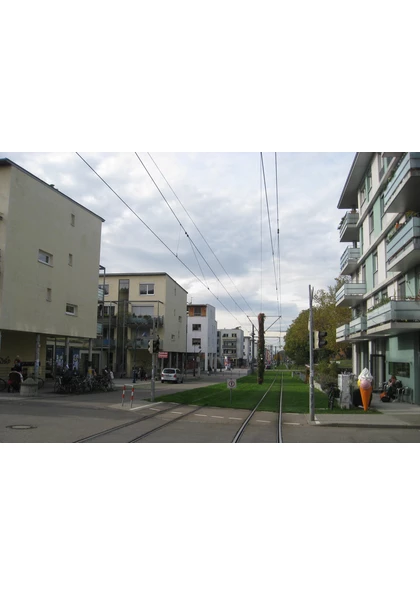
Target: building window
x=371 y=224
x=143 y=310
x=124 y=285
x=196 y=342
x=375 y=268
x=49 y=295
x=401 y=290
x=45 y=258
x=70 y=259
x=71 y=310
x=369 y=182
x=105 y=289
x=180 y=319
x=109 y=310
x=73 y=220
x=363 y=273
x=197 y=311
x=196 y=327
x=383 y=165
x=172 y=337
x=147 y=289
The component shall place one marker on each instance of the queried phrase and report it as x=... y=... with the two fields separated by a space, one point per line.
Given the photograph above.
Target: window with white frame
x=147 y=288
x=71 y=309
x=45 y=258
x=196 y=342
x=196 y=327
x=371 y=224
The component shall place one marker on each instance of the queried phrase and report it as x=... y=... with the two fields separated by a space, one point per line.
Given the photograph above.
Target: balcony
x=342 y=333
x=100 y=294
x=349 y=259
x=350 y=294
x=144 y=322
x=348 y=227
x=403 y=188
x=403 y=249
x=394 y=317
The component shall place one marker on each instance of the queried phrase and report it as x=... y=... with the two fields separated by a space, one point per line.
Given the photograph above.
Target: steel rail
x=238 y=434
x=279 y=432
x=143 y=435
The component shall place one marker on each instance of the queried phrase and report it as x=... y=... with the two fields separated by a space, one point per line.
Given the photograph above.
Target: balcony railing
x=403 y=249
x=402 y=191
x=105 y=343
x=404 y=311
x=358 y=325
x=348 y=227
x=349 y=259
x=143 y=321
x=350 y=294
x=342 y=333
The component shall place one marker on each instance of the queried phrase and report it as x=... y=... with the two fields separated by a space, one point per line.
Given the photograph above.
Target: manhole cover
x=21 y=427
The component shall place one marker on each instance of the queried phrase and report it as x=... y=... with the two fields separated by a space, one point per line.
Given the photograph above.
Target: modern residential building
x=381 y=266
x=230 y=347
x=49 y=262
x=136 y=305
x=202 y=337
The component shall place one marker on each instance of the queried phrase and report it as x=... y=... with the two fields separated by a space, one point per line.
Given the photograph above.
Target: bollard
x=132 y=396
x=123 y=396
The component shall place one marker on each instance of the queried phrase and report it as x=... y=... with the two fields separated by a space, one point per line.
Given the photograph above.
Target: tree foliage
x=327 y=317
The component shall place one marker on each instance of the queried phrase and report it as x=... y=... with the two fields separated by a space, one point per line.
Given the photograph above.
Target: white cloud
x=223 y=195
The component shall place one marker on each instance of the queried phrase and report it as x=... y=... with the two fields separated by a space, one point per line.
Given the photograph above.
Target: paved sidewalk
x=389 y=415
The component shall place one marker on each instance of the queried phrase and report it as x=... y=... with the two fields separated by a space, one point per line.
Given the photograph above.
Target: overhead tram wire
x=269 y=220
x=157 y=236
x=192 y=243
x=204 y=239
x=278 y=249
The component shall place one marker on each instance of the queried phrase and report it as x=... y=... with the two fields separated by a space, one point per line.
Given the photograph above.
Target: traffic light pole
x=311 y=357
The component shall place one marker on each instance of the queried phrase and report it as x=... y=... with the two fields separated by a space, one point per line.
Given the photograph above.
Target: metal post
x=90 y=356
x=153 y=362
x=37 y=355
x=311 y=358
x=252 y=348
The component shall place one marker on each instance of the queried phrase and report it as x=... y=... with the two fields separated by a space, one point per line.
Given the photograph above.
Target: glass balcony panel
x=348 y=227
x=350 y=294
x=403 y=250
x=404 y=311
x=358 y=325
x=349 y=259
x=402 y=191
x=342 y=333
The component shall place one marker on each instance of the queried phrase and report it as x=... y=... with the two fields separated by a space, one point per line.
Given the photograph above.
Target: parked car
x=171 y=374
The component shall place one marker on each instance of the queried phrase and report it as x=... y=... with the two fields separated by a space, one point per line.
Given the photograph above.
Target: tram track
x=123 y=428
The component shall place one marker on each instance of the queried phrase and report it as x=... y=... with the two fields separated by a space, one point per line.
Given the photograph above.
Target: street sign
x=162 y=355
x=231 y=383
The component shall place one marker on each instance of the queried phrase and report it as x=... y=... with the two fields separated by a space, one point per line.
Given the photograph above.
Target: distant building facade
x=135 y=305
x=202 y=336
x=230 y=344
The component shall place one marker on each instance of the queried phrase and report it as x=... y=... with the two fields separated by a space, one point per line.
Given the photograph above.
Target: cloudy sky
x=210 y=230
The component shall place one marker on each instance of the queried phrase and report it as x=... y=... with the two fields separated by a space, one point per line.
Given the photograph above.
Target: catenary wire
x=192 y=243
x=155 y=234
x=204 y=239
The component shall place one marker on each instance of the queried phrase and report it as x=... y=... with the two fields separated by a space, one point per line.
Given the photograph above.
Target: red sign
x=162 y=355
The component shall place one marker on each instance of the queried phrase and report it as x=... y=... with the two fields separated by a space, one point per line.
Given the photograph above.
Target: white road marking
x=198 y=415
x=258 y=421
x=236 y=418
x=145 y=406
x=291 y=423
x=216 y=417
x=175 y=412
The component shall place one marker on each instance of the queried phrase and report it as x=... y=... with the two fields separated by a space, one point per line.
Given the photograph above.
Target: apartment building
x=230 y=347
x=202 y=337
x=135 y=306
x=381 y=265
x=49 y=262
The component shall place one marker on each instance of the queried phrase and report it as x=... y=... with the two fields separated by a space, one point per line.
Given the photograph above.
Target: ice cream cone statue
x=365 y=386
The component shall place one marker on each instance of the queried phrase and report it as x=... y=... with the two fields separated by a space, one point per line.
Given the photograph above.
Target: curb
x=362 y=425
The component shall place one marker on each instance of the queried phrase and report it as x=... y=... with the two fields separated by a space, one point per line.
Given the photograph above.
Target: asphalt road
x=52 y=418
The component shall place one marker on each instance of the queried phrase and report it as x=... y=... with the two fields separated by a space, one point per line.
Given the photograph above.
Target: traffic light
x=150 y=347
x=156 y=345
x=319 y=342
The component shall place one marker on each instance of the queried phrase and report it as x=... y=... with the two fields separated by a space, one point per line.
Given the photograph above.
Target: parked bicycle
x=333 y=393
